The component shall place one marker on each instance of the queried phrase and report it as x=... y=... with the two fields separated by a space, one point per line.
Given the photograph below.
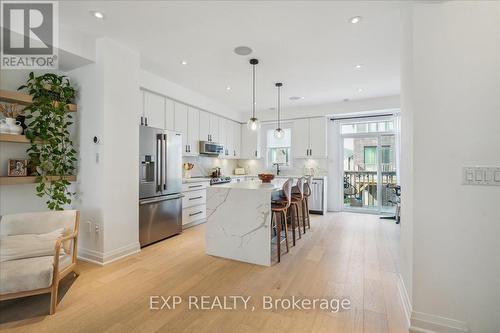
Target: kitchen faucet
x=277 y=169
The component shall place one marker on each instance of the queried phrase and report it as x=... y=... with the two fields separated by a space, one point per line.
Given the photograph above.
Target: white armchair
x=37 y=251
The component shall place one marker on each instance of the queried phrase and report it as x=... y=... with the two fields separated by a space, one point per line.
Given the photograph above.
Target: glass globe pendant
x=278 y=132
x=253 y=123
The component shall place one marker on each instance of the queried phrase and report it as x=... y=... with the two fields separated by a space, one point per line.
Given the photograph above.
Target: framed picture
x=17 y=168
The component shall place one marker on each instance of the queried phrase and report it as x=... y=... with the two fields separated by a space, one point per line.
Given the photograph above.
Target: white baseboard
x=100 y=258
x=405 y=299
x=420 y=322
x=428 y=323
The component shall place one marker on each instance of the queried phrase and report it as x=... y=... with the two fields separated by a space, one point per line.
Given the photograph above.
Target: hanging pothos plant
x=51 y=151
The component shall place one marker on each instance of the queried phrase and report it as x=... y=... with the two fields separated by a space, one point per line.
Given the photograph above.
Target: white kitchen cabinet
x=204 y=126
x=169 y=114
x=300 y=138
x=229 y=139
x=236 y=140
x=153 y=110
x=193 y=134
x=317 y=138
x=214 y=128
x=222 y=135
x=181 y=124
x=194 y=209
x=250 y=143
x=309 y=138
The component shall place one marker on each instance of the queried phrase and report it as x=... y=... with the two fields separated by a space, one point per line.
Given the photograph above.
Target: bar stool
x=280 y=208
x=298 y=199
x=307 y=194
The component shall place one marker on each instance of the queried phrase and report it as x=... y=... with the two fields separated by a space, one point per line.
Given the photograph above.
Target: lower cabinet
x=194 y=203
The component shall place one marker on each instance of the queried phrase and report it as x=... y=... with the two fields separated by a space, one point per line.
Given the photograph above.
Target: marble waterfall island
x=239 y=221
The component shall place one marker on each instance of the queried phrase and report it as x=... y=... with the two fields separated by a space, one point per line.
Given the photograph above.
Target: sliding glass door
x=369 y=166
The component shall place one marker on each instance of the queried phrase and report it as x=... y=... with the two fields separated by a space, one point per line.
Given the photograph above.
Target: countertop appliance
x=220 y=180
x=160 y=184
x=211 y=148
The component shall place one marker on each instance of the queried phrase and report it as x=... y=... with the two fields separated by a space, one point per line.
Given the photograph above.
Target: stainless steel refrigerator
x=160 y=184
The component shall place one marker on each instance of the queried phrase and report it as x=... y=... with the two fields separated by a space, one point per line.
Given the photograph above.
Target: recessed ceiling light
x=243 y=50
x=360 y=90
x=296 y=98
x=97 y=14
x=358 y=66
x=228 y=88
x=184 y=62
x=355 y=19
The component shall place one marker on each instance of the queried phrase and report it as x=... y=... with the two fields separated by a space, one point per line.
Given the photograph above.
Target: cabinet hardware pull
x=145 y=121
x=192 y=214
x=194 y=198
x=194 y=186
x=142 y=120
x=310 y=152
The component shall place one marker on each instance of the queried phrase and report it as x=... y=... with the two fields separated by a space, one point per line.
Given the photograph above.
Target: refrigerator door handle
x=158 y=164
x=164 y=161
x=164 y=198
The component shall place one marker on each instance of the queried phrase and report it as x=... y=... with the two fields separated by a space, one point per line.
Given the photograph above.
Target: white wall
x=108 y=183
x=453 y=86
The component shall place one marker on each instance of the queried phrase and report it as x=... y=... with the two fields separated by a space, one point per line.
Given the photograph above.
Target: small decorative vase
x=187 y=174
x=4 y=128
x=22 y=120
x=14 y=126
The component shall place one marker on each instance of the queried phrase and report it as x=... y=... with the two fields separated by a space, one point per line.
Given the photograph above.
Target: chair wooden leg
x=292 y=223
x=303 y=205
x=308 y=214
x=296 y=206
x=53 y=297
x=278 y=236
x=286 y=231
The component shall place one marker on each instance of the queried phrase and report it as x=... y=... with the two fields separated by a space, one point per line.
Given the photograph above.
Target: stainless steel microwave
x=211 y=148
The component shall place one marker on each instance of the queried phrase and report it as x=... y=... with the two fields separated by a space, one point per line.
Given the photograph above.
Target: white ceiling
x=308 y=45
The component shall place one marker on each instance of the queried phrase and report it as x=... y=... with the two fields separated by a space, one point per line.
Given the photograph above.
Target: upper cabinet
x=250 y=143
x=181 y=123
x=193 y=135
x=214 y=128
x=153 y=110
x=169 y=114
x=204 y=126
x=309 y=138
x=236 y=140
x=209 y=127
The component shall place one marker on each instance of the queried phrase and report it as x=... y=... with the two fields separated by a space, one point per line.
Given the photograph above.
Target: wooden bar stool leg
x=292 y=223
x=286 y=230
x=303 y=205
x=278 y=235
x=308 y=214
x=296 y=206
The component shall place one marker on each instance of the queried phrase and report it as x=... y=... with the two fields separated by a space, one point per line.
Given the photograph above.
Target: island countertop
x=275 y=185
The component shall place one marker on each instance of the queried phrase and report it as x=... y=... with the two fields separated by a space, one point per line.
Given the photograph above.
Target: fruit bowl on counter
x=266 y=177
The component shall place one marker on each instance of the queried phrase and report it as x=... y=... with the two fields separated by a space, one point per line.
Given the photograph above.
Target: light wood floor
x=343 y=255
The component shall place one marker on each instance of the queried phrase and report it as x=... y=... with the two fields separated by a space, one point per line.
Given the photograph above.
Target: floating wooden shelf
x=15 y=138
x=24 y=99
x=28 y=180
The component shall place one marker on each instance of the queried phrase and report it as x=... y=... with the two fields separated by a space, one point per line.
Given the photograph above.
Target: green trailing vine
x=51 y=153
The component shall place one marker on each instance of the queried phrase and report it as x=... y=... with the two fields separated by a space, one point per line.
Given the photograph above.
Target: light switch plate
x=481 y=175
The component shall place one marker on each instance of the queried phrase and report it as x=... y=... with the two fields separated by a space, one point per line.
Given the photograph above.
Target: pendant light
x=253 y=123
x=278 y=132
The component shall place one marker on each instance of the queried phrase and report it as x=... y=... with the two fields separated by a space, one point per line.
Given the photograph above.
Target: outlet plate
x=481 y=175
